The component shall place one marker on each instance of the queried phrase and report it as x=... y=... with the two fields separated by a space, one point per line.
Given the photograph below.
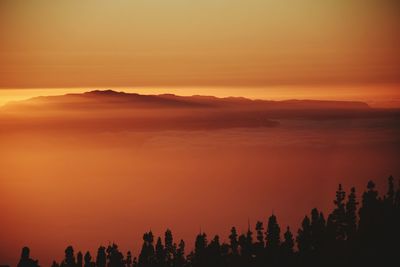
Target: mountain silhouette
x=108 y=110
x=109 y=99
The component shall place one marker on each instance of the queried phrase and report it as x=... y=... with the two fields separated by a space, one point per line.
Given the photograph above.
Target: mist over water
x=121 y=117
x=91 y=188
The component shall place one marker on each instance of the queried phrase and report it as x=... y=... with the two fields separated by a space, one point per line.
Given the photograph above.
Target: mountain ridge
x=109 y=98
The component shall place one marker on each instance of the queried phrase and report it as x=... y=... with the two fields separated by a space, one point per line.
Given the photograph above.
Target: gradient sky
x=125 y=182
x=249 y=43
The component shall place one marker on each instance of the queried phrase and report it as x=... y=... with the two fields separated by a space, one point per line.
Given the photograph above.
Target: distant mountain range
x=118 y=111
x=116 y=100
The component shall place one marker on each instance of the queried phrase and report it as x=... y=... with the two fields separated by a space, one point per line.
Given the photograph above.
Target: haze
x=89 y=173
x=86 y=170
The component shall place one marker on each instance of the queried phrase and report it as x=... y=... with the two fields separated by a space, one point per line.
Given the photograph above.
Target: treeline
x=365 y=233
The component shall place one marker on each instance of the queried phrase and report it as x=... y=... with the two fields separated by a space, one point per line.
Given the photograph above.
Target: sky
x=281 y=49
x=218 y=43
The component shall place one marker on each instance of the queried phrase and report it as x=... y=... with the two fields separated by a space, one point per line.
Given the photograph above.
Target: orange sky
x=225 y=43
x=124 y=183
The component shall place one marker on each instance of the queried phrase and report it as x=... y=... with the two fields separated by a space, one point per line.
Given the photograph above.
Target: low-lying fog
x=91 y=188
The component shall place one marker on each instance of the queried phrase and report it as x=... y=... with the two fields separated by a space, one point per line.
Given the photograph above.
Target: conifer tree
x=169 y=248
x=199 y=256
x=260 y=234
x=288 y=242
x=180 y=255
x=317 y=229
x=160 y=253
x=351 y=214
x=101 y=257
x=69 y=260
x=304 y=238
x=128 y=259
x=273 y=238
x=233 y=238
x=369 y=211
x=339 y=215
x=88 y=259
x=79 y=259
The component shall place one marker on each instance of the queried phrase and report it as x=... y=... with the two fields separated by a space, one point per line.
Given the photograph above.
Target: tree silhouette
x=147 y=257
x=101 y=257
x=214 y=252
x=351 y=214
x=199 y=256
x=128 y=261
x=304 y=237
x=25 y=260
x=288 y=243
x=169 y=248
x=233 y=241
x=114 y=256
x=368 y=236
x=79 y=259
x=318 y=230
x=179 y=261
x=160 y=253
x=339 y=215
x=69 y=260
x=88 y=260
x=273 y=238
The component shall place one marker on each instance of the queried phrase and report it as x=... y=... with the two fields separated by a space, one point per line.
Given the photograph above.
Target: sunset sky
x=86 y=170
x=334 y=47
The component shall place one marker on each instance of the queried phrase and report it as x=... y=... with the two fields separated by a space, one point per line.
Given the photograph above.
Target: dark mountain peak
x=108 y=92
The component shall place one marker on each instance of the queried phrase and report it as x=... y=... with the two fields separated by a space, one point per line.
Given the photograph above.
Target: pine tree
x=88 y=259
x=260 y=234
x=25 y=260
x=147 y=255
x=317 y=229
x=304 y=238
x=199 y=256
x=273 y=238
x=160 y=253
x=180 y=255
x=233 y=238
x=339 y=215
x=69 y=260
x=369 y=211
x=288 y=243
x=115 y=257
x=259 y=245
x=79 y=259
x=101 y=257
x=242 y=245
x=169 y=249
x=351 y=214
x=214 y=252
x=249 y=242
x=128 y=259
